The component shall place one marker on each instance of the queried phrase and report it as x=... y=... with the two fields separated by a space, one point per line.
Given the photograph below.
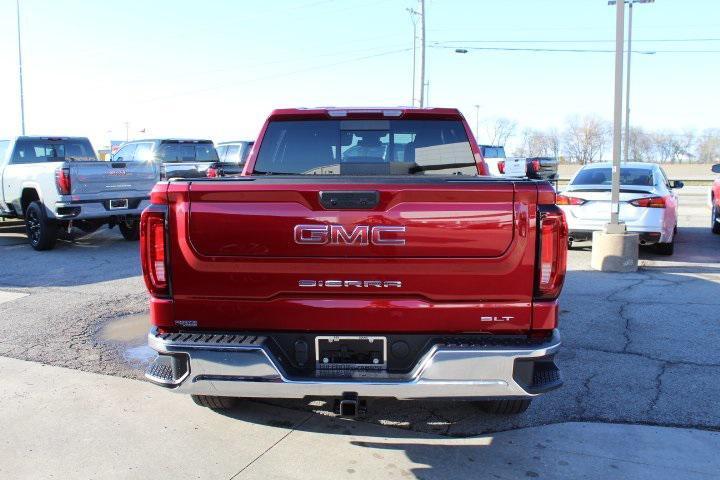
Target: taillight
x=153 y=250
x=212 y=172
x=552 y=252
x=62 y=181
x=565 y=200
x=501 y=166
x=650 y=202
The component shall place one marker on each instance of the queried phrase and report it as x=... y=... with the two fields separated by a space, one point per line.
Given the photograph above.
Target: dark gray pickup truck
x=175 y=158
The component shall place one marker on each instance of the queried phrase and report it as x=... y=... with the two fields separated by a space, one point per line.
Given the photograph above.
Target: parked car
x=539 y=168
x=57 y=182
x=494 y=156
x=715 y=202
x=231 y=158
x=182 y=158
x=363 y=254
x=648 y=203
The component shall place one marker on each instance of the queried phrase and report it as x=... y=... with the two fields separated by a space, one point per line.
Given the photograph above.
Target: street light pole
x=422 y=53
x=614 y=226
x=22 y=99
x=627 y=89
x=414 y=20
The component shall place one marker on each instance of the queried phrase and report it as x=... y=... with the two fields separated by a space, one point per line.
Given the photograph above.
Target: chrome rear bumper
x=239 y=366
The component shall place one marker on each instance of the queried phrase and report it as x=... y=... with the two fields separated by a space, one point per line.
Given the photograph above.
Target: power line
x=522 y=49
x=461 y=49
x=272 y=77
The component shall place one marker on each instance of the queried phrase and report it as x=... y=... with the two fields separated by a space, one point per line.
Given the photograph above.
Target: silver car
x=648 y=203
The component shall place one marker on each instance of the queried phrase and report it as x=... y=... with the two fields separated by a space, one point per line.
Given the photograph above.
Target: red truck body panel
x=467 y=265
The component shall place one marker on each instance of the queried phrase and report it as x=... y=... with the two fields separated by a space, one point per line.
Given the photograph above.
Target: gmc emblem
x=361 y=235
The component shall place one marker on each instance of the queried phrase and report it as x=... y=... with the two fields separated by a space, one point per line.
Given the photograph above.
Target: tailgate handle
x=351 y=200
x=117 y=164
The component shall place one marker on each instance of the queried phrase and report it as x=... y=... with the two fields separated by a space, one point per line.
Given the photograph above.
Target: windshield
x=366 y=147
x=47 y=150
x=188 y=152
x=641 y=177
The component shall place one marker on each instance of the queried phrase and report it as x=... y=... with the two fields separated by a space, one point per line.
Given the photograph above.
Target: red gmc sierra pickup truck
x=362 y=253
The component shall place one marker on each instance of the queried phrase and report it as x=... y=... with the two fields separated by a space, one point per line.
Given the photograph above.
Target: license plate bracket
x=118 y=204
x=350 y=353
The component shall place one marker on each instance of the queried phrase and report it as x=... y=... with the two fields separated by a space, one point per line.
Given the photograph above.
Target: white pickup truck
x=56 y=183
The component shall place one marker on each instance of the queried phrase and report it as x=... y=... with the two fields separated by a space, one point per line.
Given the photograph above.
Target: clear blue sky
x=215 y=68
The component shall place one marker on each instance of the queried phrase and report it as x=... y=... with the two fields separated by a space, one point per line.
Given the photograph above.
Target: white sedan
x=648 y=203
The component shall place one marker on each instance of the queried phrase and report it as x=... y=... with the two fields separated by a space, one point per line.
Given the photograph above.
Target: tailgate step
x=210 y=339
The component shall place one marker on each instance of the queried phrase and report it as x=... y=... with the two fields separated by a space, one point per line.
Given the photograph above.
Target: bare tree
x=671 y=147
x=641 y=148
x=586 y=138
x=708 y=146
x=500 y=131
x=537 y=143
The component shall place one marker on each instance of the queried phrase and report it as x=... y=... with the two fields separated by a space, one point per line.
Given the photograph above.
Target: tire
x=665 y=248
x=130 y=229
x=41 y=230
x=216 y=403
x=505 y=407
x=715 y=218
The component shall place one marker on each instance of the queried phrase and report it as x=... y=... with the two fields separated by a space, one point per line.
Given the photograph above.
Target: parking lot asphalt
x=637 y=348
x=64 y=423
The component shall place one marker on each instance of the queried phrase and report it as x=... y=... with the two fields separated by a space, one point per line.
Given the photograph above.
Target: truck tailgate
x=271 y=253
x=126 y=178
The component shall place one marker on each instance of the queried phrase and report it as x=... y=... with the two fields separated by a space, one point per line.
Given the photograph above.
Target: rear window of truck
x=365 y=147
x=188 y=152
x=42 y=150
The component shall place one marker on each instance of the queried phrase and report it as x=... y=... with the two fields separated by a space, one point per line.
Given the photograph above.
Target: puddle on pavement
x=129 y=335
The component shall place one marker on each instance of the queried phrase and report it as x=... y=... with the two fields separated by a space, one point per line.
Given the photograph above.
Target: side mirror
x=716 y=168
x=676 y=184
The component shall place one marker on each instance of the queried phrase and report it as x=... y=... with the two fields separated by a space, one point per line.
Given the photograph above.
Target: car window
x=125 y=154
x=3 y=149
x=664 y=178
x=143 y=152
x=366 y=147
x=53 y=150
x=221 y=152
x=246 y=152
x=640 y=177
x=233 y=154
x=205 y=152
x=188 y=152
x=494 y=152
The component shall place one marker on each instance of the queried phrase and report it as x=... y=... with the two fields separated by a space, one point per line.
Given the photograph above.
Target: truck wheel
x=41 y=230
x=505 y=407
x=665 y=248
x=130 y=229
x=216 y=403
x=715 y=218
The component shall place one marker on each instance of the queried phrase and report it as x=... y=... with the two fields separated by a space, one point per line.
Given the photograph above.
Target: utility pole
x=413 y=13
x=422 y=53
x=22 y=99
x=614 y=226
x=127 y=131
